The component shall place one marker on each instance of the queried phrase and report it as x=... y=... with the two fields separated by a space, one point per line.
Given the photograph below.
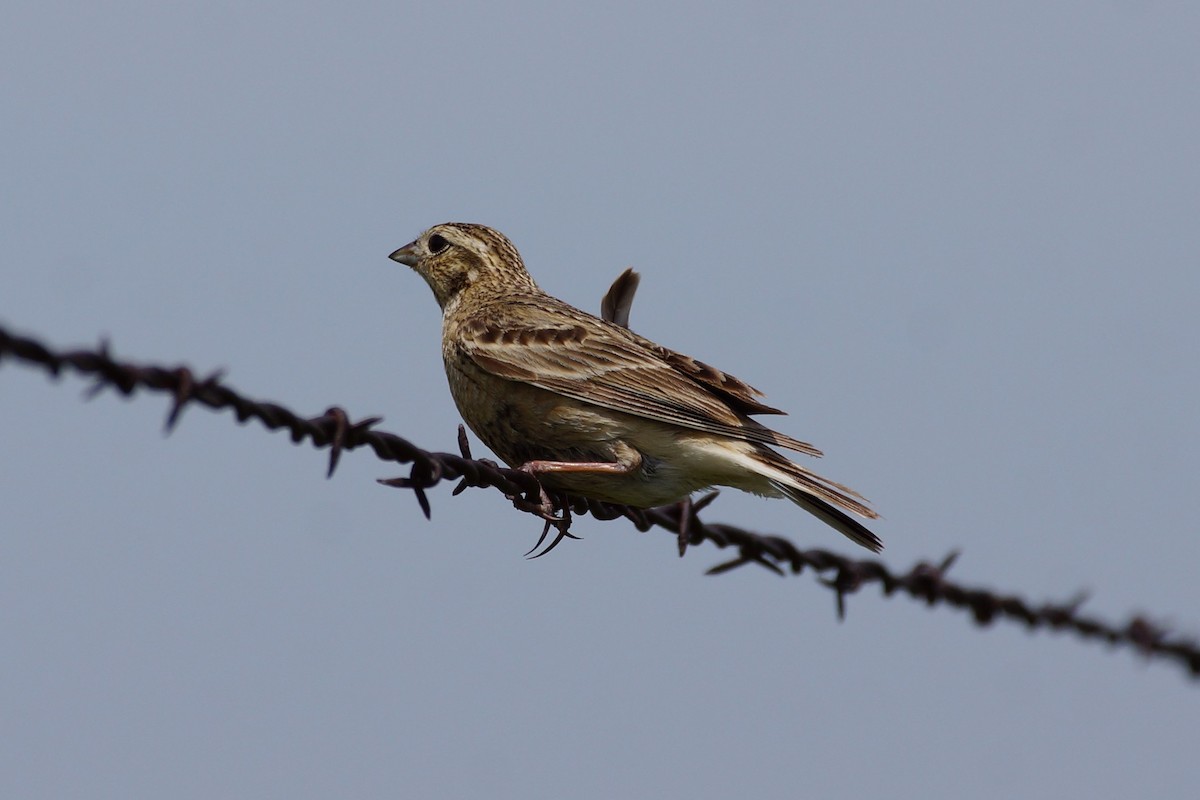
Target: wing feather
x=548 y=344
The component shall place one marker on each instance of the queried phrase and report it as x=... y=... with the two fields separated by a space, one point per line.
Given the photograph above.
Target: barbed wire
x=334 y=429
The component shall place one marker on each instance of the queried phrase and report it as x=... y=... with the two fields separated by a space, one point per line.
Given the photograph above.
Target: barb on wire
x=844 y=576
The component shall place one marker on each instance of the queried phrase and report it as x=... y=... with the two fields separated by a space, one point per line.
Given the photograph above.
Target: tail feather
x=824 y=499
x=783 y=440
x=838 y=520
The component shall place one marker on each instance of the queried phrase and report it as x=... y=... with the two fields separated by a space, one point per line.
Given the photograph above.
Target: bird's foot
x=561 y=524
x=544 y=507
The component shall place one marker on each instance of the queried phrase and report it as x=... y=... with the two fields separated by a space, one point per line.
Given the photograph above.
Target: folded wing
x=584 y=358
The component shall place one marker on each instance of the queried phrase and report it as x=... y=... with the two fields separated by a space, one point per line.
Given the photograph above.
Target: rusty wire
x=843 y=576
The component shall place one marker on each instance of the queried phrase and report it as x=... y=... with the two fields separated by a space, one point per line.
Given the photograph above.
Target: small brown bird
x=592 y=408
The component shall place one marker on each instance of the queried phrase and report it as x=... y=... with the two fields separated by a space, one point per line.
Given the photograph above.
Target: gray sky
x=958 y=242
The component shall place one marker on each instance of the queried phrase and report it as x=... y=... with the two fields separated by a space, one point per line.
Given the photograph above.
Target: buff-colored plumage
x=591 y=407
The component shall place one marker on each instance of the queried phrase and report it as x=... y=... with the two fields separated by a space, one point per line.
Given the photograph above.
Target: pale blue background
x=959 y=241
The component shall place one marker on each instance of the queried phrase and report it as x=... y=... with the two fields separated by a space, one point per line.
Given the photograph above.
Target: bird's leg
x=535 y=468
x=545 y=507
x=595 y=467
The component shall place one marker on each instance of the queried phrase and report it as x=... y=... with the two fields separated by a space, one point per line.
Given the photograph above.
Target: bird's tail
x=821 y=497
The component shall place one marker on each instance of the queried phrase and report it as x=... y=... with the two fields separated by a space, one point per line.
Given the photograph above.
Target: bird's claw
x=561 y=524
x=544 y=508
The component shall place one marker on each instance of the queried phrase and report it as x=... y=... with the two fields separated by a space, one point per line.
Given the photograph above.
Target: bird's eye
x=437 y=244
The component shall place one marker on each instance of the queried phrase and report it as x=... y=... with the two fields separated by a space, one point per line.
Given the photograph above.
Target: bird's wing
x=740 y=396
x=737 y=393
x=558 y=348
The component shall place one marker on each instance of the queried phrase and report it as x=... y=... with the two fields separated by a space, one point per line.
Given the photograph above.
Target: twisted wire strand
x=335 y=430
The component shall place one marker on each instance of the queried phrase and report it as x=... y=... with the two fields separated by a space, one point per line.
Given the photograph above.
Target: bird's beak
x=406 y=255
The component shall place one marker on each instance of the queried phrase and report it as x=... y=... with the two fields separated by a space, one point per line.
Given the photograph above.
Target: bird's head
x=459 y=256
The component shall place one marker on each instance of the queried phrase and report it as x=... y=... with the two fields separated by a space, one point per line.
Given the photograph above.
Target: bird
x=590 y=407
